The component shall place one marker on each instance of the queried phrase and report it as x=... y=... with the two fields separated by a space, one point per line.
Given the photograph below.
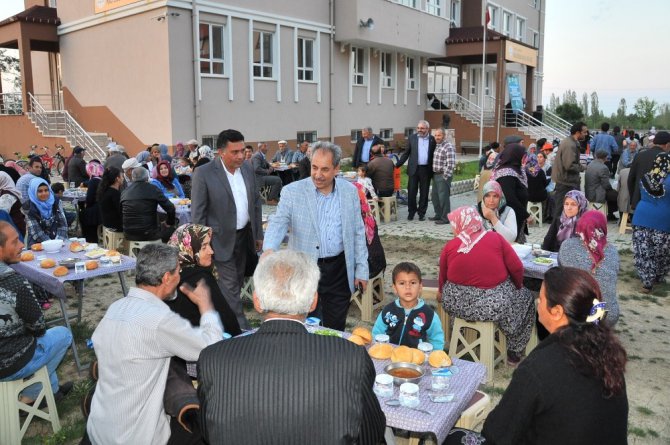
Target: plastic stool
x=135 y=246
x=374 y=208
x=429 y=292
x=476 y=411
x=11 y=430
x=365 y=300
x=623 y=227
x=265 y=192
x=388 y=207
x=480 y=343
x=247 y=290
x=111 y=239
x=599 y=206
x=535 y=210
x=533 y=341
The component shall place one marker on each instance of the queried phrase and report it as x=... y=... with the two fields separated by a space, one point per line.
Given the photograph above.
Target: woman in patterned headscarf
x=562 y=228
x=496 y=214
x=537 y=180
x=491 y=293
x=196 y=263
x=651 y=225
x=376 y=254
x=511 y=176
x=590 y=251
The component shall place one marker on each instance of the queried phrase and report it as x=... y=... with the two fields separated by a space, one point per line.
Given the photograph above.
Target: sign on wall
x=107 y=5
x=515 y=93
x=520 y=54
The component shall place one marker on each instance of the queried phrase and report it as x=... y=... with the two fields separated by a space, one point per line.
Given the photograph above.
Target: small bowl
x=404 y=366
x=53 y=245
x=541 y=253
x=68 y=262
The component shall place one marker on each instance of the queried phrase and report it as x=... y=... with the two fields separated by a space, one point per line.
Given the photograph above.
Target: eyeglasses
x=421 y=128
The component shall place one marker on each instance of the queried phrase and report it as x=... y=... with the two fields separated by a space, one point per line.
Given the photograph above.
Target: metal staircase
x=59 y=123
x=466 y=109
x=536 y=129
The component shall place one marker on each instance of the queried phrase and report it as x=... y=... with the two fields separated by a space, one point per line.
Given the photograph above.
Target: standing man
x=26 y=345
x=643 y=162
x=264 y=177
x=444 y=163
x=606 y=142
x=76 y=168
x=224 y=197
x=419 y=170
x=566 y=167
x=380 y=172
x=283 y=375
x=324 y=215
x=363 y=149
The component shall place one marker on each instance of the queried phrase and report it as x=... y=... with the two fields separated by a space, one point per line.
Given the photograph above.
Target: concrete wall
x=23 y=134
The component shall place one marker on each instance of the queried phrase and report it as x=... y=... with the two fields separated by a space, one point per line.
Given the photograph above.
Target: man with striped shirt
x=444 y=163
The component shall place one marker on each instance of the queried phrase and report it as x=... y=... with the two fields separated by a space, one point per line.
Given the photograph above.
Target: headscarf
x=188 y=238
x=653 y=180
x=492 y=187
x=163 y=150
x=179 y=149
x=509 y=163
x=592 y=229
x=143 y=157
x=94 y=169
x=567 y=226
x=468 y=224
x=206 y=152
x=366 y=213
x=490 y=163
x=167 y=181
x=7 y=185
x=532 y=165
x=45 y=207
x=15 y=166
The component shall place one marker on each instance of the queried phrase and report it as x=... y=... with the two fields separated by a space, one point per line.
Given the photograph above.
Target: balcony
x=396 y=26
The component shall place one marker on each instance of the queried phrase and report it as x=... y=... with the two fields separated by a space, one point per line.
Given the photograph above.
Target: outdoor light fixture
x=369 y=23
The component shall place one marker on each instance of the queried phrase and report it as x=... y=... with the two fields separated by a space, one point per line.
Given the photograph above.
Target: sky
x=617 y=48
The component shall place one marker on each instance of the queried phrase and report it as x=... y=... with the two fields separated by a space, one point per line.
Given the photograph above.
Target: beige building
x=144 y=71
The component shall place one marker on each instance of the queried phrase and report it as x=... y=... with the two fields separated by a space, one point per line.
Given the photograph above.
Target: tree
x=621 y=111
x=585 y=104
x=554 y=102
x=595 y=111
x=570 y=97
x=571 y=112
x=9 y=64
x=645 y=109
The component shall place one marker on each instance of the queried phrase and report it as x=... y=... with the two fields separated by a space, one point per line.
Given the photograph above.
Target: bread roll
x=112 y=253
x=91 y=265
x=418 y=357
x=439 y=359
x=356 y=339
x=60 y=271
x=363 y=333
x=381 y=351
x=27 y=256
x=76 y=247
x=402 y=354
x=37 y=247
x=47 y=263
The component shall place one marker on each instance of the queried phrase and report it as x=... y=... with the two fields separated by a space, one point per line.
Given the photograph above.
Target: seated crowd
x=180 y=322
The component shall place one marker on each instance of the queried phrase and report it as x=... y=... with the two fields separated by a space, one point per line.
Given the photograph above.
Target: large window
x=358 y=75
x=536 y=39
x=409 y=131
x=455 y=13
x=211 y=49
x=410 y=3
x=411 y=73
x=520 y=29
x=356 y=135
x=386 y=134
x=386 y=60
x=507 y=24
x=434 y=7
x=305 y=59
x=263 y=54
x=309 y=136
x=494 y=15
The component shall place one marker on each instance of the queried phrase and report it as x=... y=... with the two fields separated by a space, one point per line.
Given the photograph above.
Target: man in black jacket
x=643 y=163
x=286 y=376
x=139 y=209
x=76 y=168
x=420 y=152
x=363 y=149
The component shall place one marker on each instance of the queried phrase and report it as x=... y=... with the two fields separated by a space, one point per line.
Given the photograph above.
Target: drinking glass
x=409 y=395
x=383 y=386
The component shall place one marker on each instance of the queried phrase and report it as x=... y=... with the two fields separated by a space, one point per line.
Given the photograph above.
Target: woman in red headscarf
x=166 y=181
x=590 y=251
x=481 y=279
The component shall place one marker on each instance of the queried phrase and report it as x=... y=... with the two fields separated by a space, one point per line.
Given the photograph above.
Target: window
x=473 y=80
x=487 y=83
x=520 y=29
x=211 y=49
x=536 y=39
x=210 y=141
x=455 y=13
x=263 y=54
x=386 y=61
x=305 y=59
x=495 y=17
x=410 y=3
x=411 y=74
x=356 y=135
x=535 y=4
x=309 y=136
x=359 y=77
x=409 y=131
x=507 y=24
x=434 y=7
x=386 y=133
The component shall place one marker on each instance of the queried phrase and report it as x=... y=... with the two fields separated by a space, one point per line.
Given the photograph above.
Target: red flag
x=488 y=17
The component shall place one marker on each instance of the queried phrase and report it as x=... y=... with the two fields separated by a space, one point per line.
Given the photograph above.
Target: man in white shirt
x=134 y=343
x=224 y=196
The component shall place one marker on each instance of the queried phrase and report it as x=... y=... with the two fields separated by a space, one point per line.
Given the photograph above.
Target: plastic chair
x=135 y=246
x=112 y=239
x=535 y=210
x=388 y=207
x=11 y=429
x=479 y=342
x=476 y=411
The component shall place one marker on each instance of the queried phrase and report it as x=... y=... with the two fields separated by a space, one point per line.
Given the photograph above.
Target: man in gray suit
x=597 y=186
x=264 y=176
x=283 y=375
x=419 y=169
x=324 y=215
x=224 y=197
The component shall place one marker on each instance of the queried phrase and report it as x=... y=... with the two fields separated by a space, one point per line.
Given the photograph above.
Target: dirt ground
x=643 y=327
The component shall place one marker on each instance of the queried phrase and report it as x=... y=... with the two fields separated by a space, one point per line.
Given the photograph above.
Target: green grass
x=635 y=431
x=644 y=410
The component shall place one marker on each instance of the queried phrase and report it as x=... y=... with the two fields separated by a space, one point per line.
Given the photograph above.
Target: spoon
x=396 y=402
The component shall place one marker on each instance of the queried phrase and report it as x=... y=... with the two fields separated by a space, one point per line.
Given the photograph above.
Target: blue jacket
x=606 y=142
x=178 y=191
x=410 y=326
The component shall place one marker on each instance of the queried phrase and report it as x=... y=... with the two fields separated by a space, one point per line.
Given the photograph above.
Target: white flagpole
x=481 y=89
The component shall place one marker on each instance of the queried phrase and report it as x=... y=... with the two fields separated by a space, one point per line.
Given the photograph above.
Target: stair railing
x=533 y=127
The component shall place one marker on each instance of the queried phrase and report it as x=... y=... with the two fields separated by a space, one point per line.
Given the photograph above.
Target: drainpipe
x=195 y=16
x=331 y=73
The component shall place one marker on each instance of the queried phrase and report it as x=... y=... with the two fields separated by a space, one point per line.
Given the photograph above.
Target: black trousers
x=385 y=193
x=334 y=292
x=419 y=182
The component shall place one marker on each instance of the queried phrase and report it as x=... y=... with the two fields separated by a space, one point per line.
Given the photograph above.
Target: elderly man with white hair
x=286 y=376
x=419 y=152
